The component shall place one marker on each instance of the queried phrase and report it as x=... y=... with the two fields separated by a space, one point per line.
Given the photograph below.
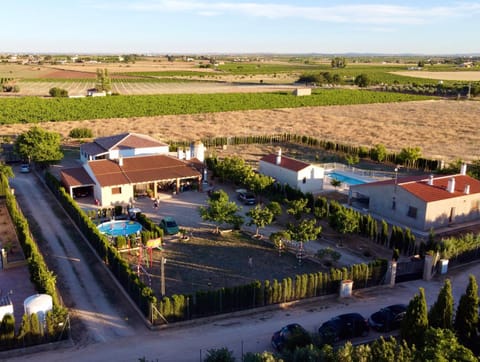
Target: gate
x=409 y=270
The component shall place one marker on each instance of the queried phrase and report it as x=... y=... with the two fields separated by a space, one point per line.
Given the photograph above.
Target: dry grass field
x=443 y=129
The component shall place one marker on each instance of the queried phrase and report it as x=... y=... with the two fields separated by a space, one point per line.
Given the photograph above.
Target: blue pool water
x=119 y=227
x=346 y=179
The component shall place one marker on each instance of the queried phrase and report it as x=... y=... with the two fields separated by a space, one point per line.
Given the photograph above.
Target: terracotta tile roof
x=438 y=191
x=120 y=141
x=108 y=173
x=141 y=169
x=76 y=177
x=418 y=186
x=134 y=140
x=286 y=162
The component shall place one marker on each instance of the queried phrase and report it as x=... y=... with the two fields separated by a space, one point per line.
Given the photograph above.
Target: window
x=394 y=203
x=116 y=190
x=304 y=180
x=412 y=212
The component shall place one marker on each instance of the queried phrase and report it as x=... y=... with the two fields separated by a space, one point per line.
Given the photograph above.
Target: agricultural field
x=127 y=79
x=33 y=109
x=443 y=129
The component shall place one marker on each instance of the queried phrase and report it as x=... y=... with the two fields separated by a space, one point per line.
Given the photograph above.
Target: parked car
x=290 y=337
x=388 y=318
x=81 y=192
x=169 y=225
x=343 y=326
x=247 y=197
x=25 y=168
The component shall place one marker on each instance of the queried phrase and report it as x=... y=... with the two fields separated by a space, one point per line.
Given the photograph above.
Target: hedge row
x=44 y=281
x=257 y=294
x=126 y=276
x=347 y=149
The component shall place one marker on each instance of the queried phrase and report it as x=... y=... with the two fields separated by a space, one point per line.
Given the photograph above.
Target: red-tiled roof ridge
x=286 y=162
x=419 y=187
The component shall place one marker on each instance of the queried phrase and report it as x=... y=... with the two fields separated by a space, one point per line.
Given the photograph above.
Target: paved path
x=93 y=307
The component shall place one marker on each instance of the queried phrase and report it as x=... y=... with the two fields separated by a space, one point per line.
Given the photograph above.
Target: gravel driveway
x=97 y=314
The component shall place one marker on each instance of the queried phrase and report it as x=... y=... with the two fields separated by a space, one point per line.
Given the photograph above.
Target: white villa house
x=297 y=174
x=422 y=202
x=117 y=169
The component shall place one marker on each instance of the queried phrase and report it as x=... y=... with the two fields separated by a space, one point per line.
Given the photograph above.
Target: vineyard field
x=34 y=109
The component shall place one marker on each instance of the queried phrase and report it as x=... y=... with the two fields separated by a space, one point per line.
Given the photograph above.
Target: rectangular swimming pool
x=345 y=179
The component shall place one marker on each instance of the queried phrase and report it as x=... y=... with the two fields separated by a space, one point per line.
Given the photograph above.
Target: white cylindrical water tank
x=39 y=304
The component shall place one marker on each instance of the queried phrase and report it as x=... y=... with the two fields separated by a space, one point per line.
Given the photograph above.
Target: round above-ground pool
x=120 y=227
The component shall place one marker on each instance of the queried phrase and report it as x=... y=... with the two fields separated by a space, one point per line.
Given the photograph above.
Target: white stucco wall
x=466 y=208
x=109 y=199
x=310 y=179
x=429 y=215
x=160 y=150
x=313 y=176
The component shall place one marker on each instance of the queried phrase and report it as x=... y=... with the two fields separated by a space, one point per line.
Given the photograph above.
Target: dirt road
x=97 y=313
x=251 y=333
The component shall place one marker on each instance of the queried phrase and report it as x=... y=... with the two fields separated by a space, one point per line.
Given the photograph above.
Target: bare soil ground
x=443 y=129
x=460 y=75
x=210 y=262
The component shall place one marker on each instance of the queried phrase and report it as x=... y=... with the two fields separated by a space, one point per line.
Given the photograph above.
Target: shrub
x=58 y=92
x=81 y=133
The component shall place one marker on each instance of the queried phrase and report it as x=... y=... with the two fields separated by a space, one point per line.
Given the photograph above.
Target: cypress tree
x=466 y=318
x=24 y=333
x=275 y=291
x=7 y=330
x=35 y=329
x=415 y=323
x=441 y=312
x=298 y=287
x=384 y=234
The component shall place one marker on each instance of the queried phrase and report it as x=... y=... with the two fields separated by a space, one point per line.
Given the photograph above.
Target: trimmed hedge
x=42 y=278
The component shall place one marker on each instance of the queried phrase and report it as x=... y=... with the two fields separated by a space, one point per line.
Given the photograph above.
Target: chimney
x=278 y=159
x=463 y=169
x=466 y=190
x=430 y=180
x=120 y=161
x=451 y=185
x=180 y=154
x=188 y=153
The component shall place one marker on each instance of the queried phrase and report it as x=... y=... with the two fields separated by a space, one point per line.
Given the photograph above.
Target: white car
x=25 y=168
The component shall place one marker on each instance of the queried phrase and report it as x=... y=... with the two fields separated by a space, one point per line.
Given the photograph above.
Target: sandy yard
x=442 y=129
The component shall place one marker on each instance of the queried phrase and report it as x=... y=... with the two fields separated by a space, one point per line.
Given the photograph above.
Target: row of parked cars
x=340 y=328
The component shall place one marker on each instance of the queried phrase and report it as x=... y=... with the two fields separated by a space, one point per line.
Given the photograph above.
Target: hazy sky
x=240 y=26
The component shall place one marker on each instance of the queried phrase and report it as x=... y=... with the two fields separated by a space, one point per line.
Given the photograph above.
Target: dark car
x=388 y=318
x=248 y=198
x=81 y=192
x=343 y=326
x=290 y=337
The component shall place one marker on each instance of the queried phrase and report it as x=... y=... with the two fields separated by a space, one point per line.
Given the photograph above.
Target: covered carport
x=77 y=181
